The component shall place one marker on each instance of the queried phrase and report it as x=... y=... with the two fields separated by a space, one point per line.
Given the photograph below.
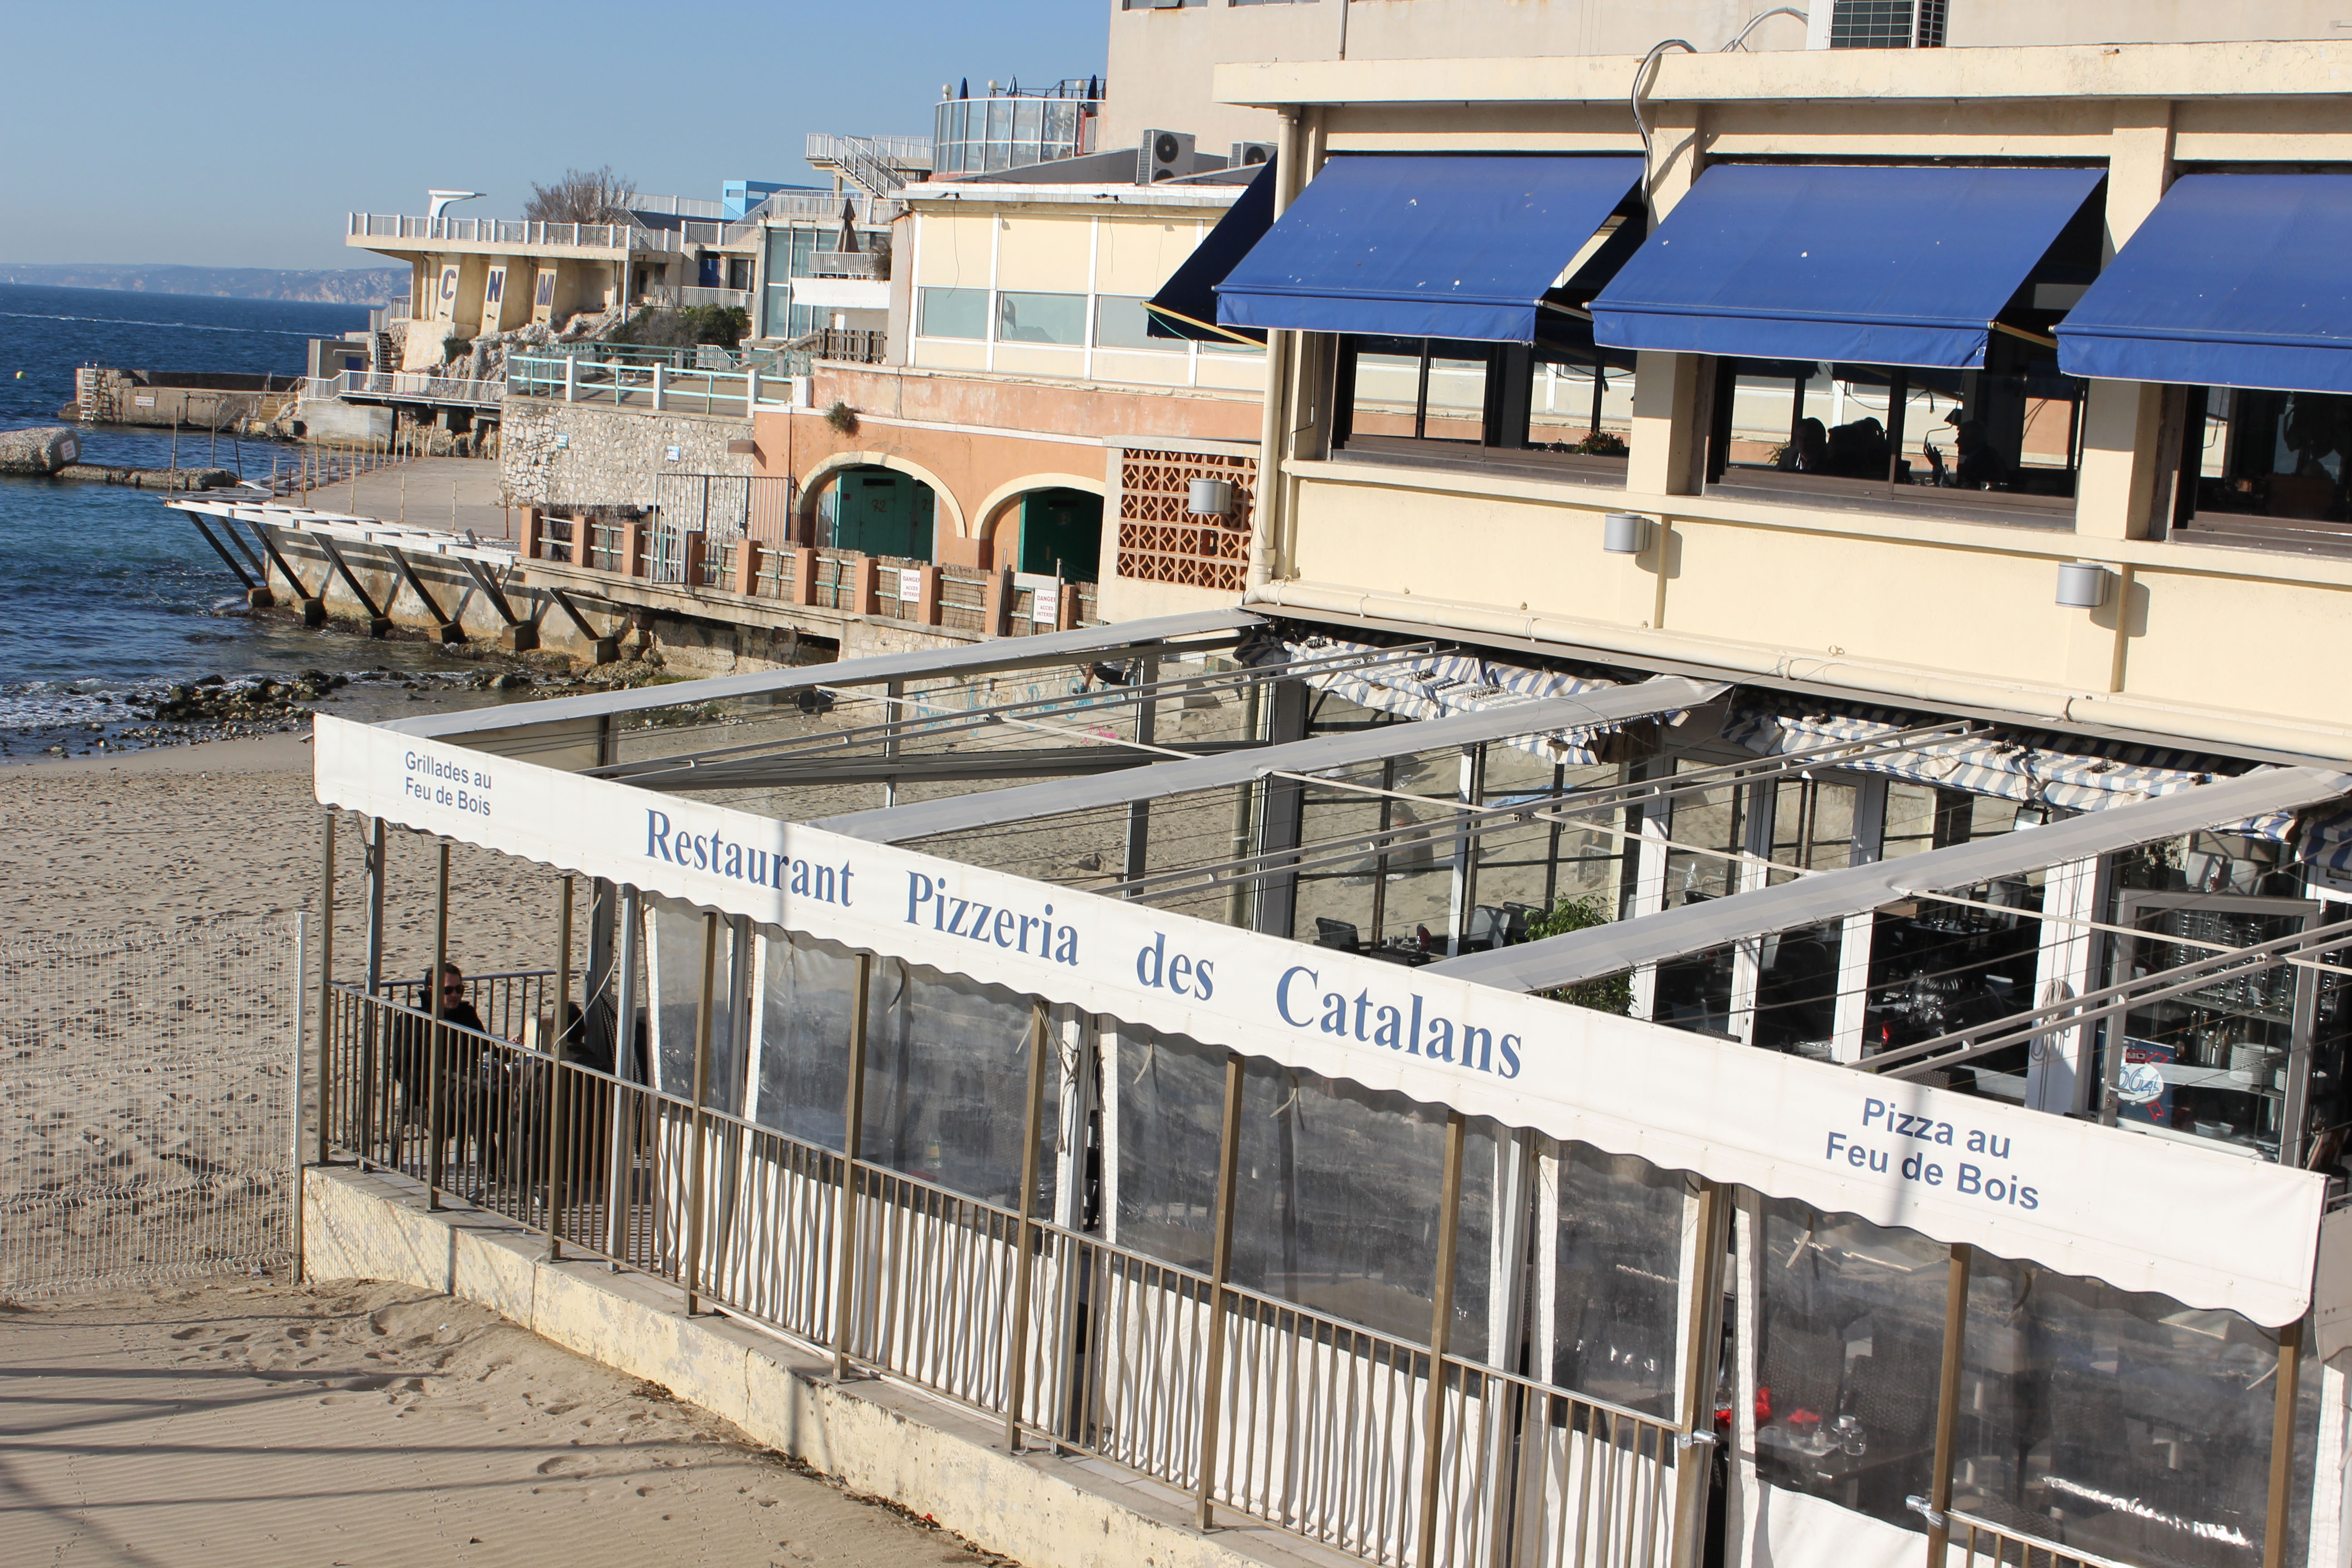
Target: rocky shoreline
x=219 y=708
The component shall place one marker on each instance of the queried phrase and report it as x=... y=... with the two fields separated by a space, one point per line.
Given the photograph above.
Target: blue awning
x=1875 y=265
x=1425 y=245
x=2234 y=280
x=1186 y=305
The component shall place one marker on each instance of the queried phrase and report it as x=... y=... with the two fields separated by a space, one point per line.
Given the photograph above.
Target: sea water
x=103 y=589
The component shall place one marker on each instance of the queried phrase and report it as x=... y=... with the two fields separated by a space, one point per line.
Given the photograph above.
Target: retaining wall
x=878 y=1438
x=609 y=457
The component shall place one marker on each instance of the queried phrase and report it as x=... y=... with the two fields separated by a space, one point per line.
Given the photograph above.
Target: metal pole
x=1146 y=731
x=1695 y=1464
x=294 y=1165
x=554 y=1108
x=844 y=1230
x=326 y=977
x=2290 y=1368
x=1237 y=895
x=621 y=1156
x=1016 y=1346
x=693 y=1269
x=1947 y=1402
x=375 y=870
x=1441 y=1328
x=433 y=1106
x=1220 y=1265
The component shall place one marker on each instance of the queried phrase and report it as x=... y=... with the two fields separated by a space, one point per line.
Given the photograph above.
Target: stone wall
x=582 y=453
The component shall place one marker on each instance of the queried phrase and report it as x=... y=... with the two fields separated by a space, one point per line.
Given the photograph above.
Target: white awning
x=2209 y=1229
x=1830 y=895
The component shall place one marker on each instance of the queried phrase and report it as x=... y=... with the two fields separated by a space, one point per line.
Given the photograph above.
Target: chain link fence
x=147 y=1106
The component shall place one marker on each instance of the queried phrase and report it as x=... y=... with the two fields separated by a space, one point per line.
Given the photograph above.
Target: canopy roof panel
x=1830 y=895
x=2234 y=280
x=1879 y=265
x=1425 y=245
x=954 y=814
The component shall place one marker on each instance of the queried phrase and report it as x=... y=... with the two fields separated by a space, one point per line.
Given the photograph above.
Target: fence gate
x=150 y=1106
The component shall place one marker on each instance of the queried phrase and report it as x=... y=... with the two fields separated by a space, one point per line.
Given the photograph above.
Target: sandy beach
x=270 y=1426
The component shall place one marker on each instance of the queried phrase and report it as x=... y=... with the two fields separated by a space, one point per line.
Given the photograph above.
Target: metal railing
x=675 y=206
x=1980 y=1543
x=503 y=1000
x=678 y=298
x=405 y=387
x=868 y=264
x=656 y=384
x=812 y=207
x=906 y=152
x=1286 y=1415
x=517 y=231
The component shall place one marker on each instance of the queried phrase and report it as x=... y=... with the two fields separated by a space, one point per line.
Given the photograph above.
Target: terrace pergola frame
x=1705 y=1287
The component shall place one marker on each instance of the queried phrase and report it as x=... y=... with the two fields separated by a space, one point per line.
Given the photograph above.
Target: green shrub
x=1603 y=993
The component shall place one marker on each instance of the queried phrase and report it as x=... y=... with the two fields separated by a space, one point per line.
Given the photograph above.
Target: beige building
x=1163 y=56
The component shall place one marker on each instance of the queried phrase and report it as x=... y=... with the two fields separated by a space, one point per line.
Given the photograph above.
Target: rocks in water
x=148 y=478
x=44 y=449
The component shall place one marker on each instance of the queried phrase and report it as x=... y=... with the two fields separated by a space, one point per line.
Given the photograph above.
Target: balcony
x=679 y=297
x=362 y=227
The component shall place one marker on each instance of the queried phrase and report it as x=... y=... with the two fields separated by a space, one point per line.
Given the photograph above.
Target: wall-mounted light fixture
x=2083 y=584
x=1210 y=497
x=1624 y=533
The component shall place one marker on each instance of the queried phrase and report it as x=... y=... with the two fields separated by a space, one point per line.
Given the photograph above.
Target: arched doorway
x=1061 y=534
x=878 y=510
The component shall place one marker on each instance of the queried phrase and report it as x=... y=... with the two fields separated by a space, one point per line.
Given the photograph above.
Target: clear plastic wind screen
x=149 y=1107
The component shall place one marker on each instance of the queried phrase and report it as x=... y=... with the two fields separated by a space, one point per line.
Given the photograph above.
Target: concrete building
x=1735 y=954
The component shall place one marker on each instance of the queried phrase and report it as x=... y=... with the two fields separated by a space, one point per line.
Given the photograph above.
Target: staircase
x=92 y=399
x=384 y=357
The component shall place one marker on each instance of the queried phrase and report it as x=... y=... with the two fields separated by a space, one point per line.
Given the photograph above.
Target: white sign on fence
x=2210 y=1229
x=910 y=584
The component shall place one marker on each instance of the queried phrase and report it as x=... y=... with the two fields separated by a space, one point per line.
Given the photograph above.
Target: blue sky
x=239 y=135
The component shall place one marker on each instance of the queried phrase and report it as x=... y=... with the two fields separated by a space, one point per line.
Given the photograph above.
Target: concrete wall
x=878 y=1438
x=1162 y=62
x=980 y=442
x=609 y=457
x=330 y=419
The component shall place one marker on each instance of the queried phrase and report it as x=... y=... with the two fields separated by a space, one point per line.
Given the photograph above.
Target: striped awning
x=1433 y=686
x=2326 y=841
x=2069 y=773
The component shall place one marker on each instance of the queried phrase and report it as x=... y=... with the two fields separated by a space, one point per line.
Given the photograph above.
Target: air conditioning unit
x=1164 y=155
x=1246 y=154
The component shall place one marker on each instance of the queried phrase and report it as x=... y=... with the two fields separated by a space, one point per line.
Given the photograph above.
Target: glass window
x=2286 y=457
x=1000 y=119
x=1850 y=1328
x=1336 y=1208
x=947 y=1080
x=675 y=934
x=806 y=1002
x=1619 y=1265
x=1537 y=403
x=954 y=314
x=1041 y=318
x=1028 y=120
x=2122 y=1425
x=1122 y=322
x=1172 y=1100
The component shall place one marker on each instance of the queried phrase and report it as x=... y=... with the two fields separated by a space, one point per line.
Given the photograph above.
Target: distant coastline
x=340 y=286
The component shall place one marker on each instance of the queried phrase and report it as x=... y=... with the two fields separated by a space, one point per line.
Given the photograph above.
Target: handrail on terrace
x=524 y=232
x=1063 y=1336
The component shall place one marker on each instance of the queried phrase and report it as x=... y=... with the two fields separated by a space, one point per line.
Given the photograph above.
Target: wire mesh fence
x=148 y=1081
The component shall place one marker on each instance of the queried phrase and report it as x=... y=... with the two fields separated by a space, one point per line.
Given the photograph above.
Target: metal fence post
x=2289 y=1370
x=1441 y=1330
x=1016 y=1343
x=554 y=1119
x=621 y=1155
x=1947 y=1402
x=326 y=995
x=294 y=1091
x=570 y=378
x=1695 y=1464
x=1220 y=1263
x=844 y=1230
x=435 y=1054
x=693 y=1261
